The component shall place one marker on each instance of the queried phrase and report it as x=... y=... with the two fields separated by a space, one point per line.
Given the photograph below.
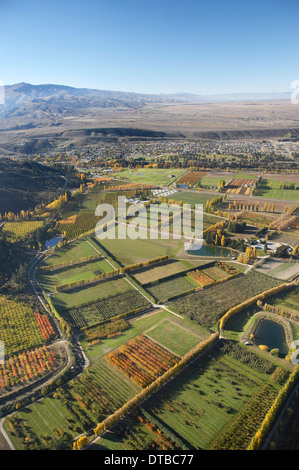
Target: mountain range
x=40 y=101
x=38 y=118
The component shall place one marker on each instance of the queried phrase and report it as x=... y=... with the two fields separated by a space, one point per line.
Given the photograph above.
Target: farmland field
x=25 y=367
x=155 y=176
x=142 y=360
x=19 y=328
x=209 y=181
x=166 y=289
x=289 y=299
x=21 y=229
x=84 y=222
x=282 y=270
x=73 y=273
x=154 y=273
x=100 y=310
x=75 y=408
x=240 y=186
x=190 y=197
x=131 y=251
x=221 y=397
x=215 y=273
x=265 y=190
x=143 y=324
x=207 y=306
x=71 y=252
x=190 y=178
x=207 y=397
x=177 y=339
x=90 y=293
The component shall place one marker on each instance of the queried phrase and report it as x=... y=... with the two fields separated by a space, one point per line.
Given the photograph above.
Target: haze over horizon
x=155 y=47
x=180 y=92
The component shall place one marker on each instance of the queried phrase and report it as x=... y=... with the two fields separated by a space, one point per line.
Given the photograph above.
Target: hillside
x=39 y=118
x=25 y=184
x=40 y=101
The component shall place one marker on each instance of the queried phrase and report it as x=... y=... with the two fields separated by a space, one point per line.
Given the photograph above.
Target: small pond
x=271 y=334
x=53 y=242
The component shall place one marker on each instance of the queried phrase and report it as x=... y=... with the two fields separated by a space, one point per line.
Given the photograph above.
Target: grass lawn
x=157 y=176
x=142 y=325
x=174 y=337
x=265 y=190
x=50 y=413
x=208 y=181
x=72 y=252
x=130 y=251
x=73 y=273
x=89 y=293
x=153 y=273
x=138 y=325
x=289 y=299
x=190 y=197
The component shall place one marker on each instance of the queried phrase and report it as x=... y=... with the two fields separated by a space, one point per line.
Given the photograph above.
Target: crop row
x=208 y=309
x=19 y=328
x=105 y=330
x=26 y=366
x=164 y=290
x=238 y=434
x=142 y=360
x=84 y=222
x=45 y=325
x=107 y=308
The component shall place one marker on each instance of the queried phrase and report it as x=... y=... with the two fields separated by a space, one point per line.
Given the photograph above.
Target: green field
x=131 y=251
x=90 y=293
x=211 y=181
x=79 y=406
x=264 y=190
x=168 y=288
x=70 y=253
x=205 y=399
x=289 y=299
x=190 y=197
x=144 y=324
x=106 y=308
x=221 y=397
x=73 y=273
x=207 y=306
x=156 y=176
x=175 y=338
x=161 y=270
x=85 y=293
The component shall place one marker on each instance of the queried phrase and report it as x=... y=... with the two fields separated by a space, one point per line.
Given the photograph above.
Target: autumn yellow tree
x=248 y=252
x=80 y=443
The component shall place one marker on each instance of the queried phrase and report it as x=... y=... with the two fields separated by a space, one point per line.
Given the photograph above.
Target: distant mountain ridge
x=44 y=100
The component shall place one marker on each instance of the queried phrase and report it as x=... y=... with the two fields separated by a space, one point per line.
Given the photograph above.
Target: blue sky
x=152 y=46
